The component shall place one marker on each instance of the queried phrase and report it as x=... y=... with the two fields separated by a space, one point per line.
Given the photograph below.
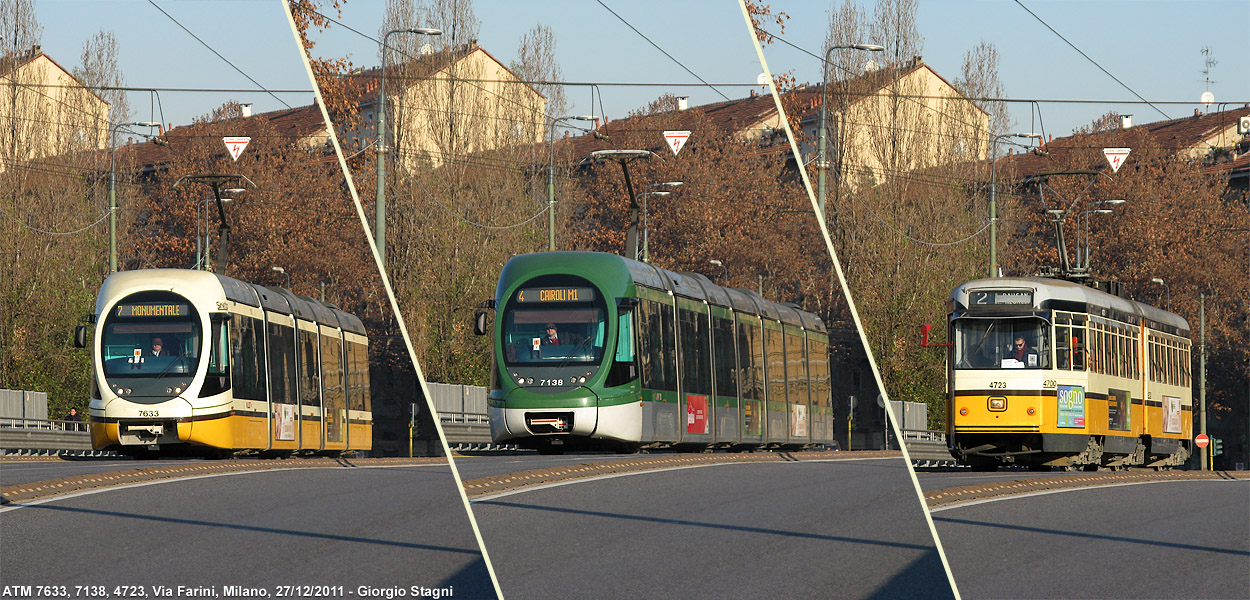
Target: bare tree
x=100 y=68
x=979 y=79
x=536 y=61
x=19 y=27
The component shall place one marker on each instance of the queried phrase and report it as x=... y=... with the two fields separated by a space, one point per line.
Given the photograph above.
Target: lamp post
x=822 y=165
x=993 y=198
x=551 y=177
x=724 y=271
x=643 y=196
x=113 y=188
x=1085 y=215
x=1166 y=288
x=380 y=204
x=287 y=283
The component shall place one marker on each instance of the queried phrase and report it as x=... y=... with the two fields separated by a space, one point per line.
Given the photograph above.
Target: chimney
x=752 y=92
x=1197 y=112
x=683 y=102
x=247 y=109
x=1126 y=121
x=35 y=50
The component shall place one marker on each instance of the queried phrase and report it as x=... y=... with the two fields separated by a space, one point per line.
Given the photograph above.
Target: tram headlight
x=581 y=379
x=520 y=380
x=529 y=380
x=998 y=403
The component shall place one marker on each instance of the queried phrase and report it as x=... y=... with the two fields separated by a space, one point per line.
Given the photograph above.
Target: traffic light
x=1217 y=446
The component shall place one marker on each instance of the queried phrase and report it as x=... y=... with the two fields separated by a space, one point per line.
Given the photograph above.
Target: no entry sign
x=1201 y=440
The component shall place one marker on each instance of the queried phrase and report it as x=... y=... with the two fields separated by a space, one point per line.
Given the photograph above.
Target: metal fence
x=23 y=404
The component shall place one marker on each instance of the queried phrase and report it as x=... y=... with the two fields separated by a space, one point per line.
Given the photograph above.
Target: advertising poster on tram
x=1172 y=414
x=1071 y=406
x=696 y=414
x=798 y=420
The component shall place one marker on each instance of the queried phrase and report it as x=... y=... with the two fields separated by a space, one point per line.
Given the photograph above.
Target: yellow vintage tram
x=1047 y=372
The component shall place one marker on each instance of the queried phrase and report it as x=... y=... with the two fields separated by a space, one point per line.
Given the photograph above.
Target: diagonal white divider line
x=390 y=294
x=846 y=292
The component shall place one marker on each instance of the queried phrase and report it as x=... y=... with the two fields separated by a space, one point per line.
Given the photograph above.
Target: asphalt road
x=1187 y=539
x=381 y=527
x=837 y=529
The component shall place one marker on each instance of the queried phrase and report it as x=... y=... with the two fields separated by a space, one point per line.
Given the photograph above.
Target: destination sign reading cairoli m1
x=154 y=310
x=556 y=294
x=988 y=297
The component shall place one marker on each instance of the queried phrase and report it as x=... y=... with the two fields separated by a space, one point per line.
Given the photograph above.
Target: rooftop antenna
x=1207 y=64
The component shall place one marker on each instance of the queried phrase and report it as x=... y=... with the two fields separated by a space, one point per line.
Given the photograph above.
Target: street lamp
x=113 y=188
x=287 y=284
x=993 y=198
x=1084 y=216
x=822 y=165
x=551 y=177
x=1166 y=288
x=380 y=205
x=643 y=196
x=724 y=271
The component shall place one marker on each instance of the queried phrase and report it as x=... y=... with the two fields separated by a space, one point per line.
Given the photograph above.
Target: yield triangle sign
x=236 y=145
x=1116 y=156
x=676 y=139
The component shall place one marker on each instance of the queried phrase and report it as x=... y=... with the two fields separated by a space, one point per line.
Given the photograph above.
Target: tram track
x=951 y=496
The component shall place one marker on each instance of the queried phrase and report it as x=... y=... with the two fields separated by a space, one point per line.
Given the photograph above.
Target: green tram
x=594 y=350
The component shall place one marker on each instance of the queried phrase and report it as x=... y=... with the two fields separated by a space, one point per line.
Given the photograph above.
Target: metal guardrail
x=43 y=436
x=927 y=448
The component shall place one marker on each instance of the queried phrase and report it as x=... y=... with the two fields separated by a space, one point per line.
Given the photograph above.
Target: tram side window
x=1187 y=376
x=309 y=369
x=796 y=369
x=775 y=346
x=1063 y=345
x=818 y=355
x=247 y=347
x=624 y=369
x=658 y=357
x=332 y=376
x=696 y=369
x=358 y=376
x=1080 y=350
x=723 y=340
x=218 y=379
x=751 y=361
x=282 y=378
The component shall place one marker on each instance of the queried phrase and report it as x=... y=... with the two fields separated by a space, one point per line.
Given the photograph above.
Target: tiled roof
x=295 y=123
x=1179 y=135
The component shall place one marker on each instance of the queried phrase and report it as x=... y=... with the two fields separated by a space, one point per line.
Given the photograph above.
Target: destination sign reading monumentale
x=153 y=310
x=556 y=294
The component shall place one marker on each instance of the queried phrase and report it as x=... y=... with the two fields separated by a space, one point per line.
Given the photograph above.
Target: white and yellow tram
x=191 y=362
x=1047 y=372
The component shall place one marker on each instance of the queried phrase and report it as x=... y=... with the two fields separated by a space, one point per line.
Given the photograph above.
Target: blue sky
x=1153 y=46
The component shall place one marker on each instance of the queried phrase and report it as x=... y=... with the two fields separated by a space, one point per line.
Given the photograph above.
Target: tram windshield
x=553 y=335
x=151 y=338
x=1009 y=343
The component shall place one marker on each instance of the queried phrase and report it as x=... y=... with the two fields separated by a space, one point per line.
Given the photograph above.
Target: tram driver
x=1022 y=353
x=158 y=348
